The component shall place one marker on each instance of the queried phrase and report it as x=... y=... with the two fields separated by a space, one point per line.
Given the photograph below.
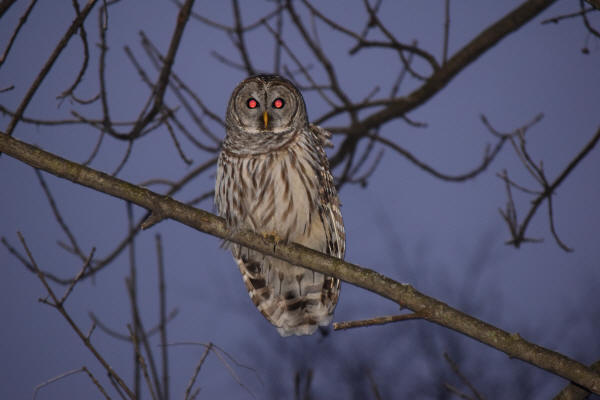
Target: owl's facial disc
x=266 y=108
x=281 y=106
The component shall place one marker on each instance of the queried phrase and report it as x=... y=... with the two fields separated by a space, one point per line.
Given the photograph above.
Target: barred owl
x=273 y=178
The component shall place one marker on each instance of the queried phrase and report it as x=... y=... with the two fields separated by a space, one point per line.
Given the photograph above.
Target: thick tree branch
x=405 y=295
x=575 y=392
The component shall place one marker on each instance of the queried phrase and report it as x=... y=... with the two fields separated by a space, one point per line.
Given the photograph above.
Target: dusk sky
x=446 y=239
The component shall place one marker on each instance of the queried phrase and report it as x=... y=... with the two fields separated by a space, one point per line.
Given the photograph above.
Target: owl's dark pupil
x=252 y=103
x=278 y=103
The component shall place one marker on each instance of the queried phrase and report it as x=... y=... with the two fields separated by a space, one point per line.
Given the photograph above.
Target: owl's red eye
x=278 y=103
x=252 y=103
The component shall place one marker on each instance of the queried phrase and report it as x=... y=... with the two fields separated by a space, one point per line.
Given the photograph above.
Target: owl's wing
x=329 y=204
x=322 y=134
x=331 y=216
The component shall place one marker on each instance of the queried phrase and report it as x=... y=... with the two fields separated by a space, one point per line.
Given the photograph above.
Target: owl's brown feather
x=283 y=188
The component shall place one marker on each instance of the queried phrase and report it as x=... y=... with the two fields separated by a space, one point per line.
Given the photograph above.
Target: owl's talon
x=272 y=236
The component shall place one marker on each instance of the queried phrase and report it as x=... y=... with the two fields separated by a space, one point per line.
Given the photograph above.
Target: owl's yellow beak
x=266 y=119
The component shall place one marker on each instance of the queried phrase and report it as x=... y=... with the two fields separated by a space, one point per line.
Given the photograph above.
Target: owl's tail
x=294 y=299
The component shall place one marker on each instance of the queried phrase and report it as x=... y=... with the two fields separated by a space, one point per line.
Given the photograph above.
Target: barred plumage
x=273 y=177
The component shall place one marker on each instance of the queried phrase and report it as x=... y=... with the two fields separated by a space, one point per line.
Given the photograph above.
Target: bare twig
x=586 y=21
x=84 y=65
x=240 y=41
x=375 y=321
x=58 y=306
x=77 y=22
x=446 y=30
x=557 y=19
x=141 y=336
x=323 y=59
x=163 y=79
x=223 y=356
x=76 y=249
x=462 y=377
x=3 y=7
x=188 y=389
x=488 y=157
x=518 y=231
x=69 y=373
x=134 y=328
x=142 y=362
x=77 y=279
x=162 y=317
x=374 y=387
x=302 y=68
x=125 y=337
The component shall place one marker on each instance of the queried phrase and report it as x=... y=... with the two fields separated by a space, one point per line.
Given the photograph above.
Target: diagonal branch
x=405 y=295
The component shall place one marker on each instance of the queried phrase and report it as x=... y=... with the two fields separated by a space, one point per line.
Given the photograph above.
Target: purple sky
x=446 y=239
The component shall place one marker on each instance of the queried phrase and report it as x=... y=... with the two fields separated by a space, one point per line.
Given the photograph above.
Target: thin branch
x=188 y=389
x=69 y=373
x=84 y=65
x=75 y=246
x=557 y=19
x=374 y=387
x=60 y=308
x=338 y=326
x=487 y=160
x=75 y=25
x=323 y=59
x=163 y=79
x=177 y=86
x=140 y=358
x=125 y=337
x=223 y=356
x=303 y=69
x=586 y=21
x=560 y=243
x=143 y=338
x=462 y=377
x=457 y=392
x=162 y=317
x=241 y=41
x=131 y=281
x=3 y=7
x=124 y=159
x=446 y=30
x=77 y=279
x=548 y=189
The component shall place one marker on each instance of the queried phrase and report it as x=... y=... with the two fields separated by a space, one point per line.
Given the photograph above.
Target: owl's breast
x=281 y=197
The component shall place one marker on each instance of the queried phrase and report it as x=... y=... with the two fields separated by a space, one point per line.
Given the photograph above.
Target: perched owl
x=273 y=178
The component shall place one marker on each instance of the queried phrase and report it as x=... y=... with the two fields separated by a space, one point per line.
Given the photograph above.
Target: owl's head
x=266 y=104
